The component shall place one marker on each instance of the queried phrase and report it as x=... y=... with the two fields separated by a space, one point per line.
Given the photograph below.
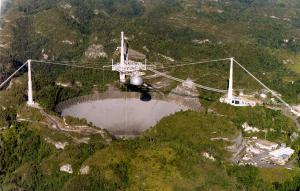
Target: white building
x=281 y=156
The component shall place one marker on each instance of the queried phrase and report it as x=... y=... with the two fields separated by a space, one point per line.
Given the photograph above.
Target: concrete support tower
x=122 y=60
x=230 y=84
x=30 y=97
x=128 y=68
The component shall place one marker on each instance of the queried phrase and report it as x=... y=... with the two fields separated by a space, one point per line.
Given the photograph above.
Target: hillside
x=184 y=151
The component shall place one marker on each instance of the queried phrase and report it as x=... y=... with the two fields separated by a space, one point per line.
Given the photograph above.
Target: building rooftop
x=282 y=151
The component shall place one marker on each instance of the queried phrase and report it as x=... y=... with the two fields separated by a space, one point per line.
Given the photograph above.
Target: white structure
x=231 y=99
x=282 y=151
x=230 y=85
x=30 y=96
x=281 y=156
x=128 y=68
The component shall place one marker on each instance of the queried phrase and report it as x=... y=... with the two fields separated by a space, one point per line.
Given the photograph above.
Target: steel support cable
x=165 y=75
x=181 y=65
x=193 y=63
x=73 y=61
x=11 y=76
x=271 y=91
x=70 y=65
x=180 y=80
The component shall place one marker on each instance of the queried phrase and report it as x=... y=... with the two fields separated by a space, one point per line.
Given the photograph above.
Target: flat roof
x=282 y=151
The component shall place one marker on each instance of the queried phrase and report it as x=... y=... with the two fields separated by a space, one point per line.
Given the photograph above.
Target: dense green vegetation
x=279 y=128
x=18 y=146
x=168 y=156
